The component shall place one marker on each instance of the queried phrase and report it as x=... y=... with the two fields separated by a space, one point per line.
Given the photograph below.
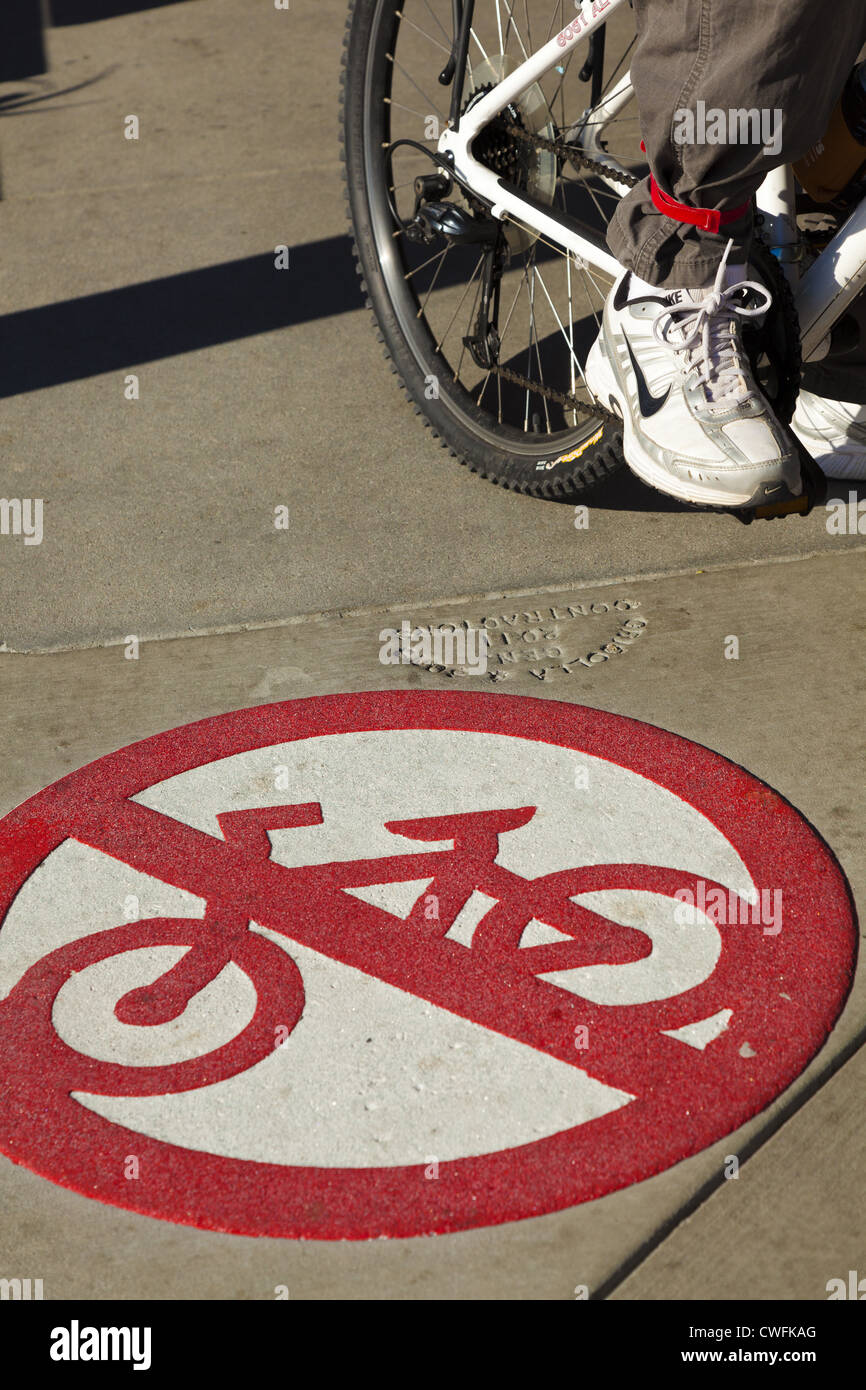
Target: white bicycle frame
x=822 y=295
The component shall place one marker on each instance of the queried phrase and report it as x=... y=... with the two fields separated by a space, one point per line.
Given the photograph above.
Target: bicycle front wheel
x=511 y=404
x=29 y=1013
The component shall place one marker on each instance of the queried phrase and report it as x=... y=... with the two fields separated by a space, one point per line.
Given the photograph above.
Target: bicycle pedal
x=814 y=492
x=793 y=506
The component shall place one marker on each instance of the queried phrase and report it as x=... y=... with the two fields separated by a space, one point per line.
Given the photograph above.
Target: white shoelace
x=705 y=330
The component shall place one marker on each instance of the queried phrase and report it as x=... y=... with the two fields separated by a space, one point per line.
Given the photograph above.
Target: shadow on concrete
x=35 y=99
x=86 y=11
x=119 y=329
x=623 y=492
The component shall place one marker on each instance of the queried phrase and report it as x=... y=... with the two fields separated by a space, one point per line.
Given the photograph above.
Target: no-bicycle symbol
x=403 y=963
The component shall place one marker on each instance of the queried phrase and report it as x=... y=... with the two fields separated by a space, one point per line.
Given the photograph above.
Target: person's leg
x=669 y=358
x=790 y=56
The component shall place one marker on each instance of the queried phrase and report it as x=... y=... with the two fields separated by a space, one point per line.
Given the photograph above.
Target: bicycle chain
x=568 y=402
x=562 y=150
x=574 y=153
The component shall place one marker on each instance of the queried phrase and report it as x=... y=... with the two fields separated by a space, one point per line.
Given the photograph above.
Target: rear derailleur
x=433 y=217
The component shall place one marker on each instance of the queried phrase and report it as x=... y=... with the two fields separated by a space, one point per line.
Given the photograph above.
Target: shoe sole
x=605 y=387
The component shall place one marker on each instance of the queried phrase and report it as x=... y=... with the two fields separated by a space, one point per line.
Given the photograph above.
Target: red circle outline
x=56 y=1137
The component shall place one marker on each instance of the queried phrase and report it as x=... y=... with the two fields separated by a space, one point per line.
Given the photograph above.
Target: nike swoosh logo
x=648 y=404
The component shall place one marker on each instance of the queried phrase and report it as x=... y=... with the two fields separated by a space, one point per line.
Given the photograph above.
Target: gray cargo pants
x=788 y=56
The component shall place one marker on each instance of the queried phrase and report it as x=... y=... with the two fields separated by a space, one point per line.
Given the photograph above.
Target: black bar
x=262 y=1335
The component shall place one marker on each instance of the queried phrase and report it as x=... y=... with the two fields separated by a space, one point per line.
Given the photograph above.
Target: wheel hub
x=497 y=148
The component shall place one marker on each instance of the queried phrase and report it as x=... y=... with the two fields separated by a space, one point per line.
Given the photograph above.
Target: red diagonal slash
x=302 y=905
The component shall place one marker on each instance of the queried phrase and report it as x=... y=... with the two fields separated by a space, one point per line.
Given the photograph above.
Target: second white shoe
x=695 y=424
x=834 y=432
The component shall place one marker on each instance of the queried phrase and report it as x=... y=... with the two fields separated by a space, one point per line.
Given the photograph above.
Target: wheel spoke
x=475 y=299
x=512 y=24
x=551 y=301
x=510 y=312
x=419 y=90
x=533 y=342
x=480 y=45
x=423 y=307
x=400 y=106
x=429 y=261
x=434 y=16
x=499 y=27
x=460 y=305
x=612 y=78
x=446 y=47
x=573 y=359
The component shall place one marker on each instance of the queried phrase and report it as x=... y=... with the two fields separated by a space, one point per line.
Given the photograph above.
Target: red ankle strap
x=708 y=219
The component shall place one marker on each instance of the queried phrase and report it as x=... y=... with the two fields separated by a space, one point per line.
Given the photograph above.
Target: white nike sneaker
x=695 y=424
x=834 y=432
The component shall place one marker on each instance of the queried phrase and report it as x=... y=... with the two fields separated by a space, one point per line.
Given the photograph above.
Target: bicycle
x=489 y=971
x=509 y=213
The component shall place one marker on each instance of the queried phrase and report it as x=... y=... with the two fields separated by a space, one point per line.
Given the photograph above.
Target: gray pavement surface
x=260 y=389
x=795 y=1220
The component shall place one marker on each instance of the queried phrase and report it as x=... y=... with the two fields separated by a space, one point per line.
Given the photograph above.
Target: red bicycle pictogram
x=223 y=936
